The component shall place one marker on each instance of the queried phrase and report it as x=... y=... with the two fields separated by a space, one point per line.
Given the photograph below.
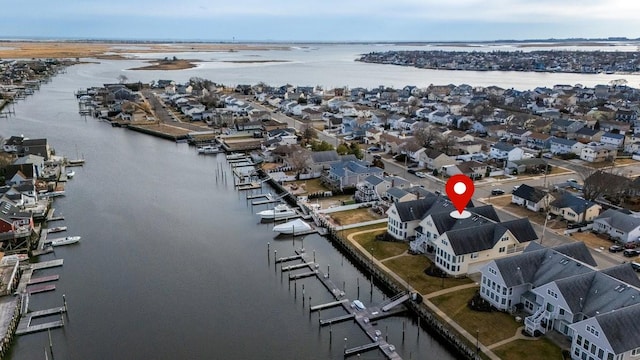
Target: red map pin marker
x=460 y=190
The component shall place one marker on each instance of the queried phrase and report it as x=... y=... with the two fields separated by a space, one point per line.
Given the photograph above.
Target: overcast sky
x=321 y=20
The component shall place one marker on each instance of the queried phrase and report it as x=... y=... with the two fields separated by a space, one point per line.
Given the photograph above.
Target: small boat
x=75 y=162
x=56 y=229
x=292 y=227
x=280 y=211
x=209 y=149
x=358 y=305
x=70 y=173
x=53 y=193
x=65 y=241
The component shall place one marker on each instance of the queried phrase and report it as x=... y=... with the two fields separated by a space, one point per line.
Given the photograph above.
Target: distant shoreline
x=168 y=65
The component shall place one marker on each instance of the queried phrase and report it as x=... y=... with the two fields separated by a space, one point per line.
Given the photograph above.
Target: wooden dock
x=258 y=196
x=361 y=349
x=40 y=289
x=337 y=319
x=248 y=186
x=328 y=305
x=47 y=264
x=43 y=279
x=298 y=266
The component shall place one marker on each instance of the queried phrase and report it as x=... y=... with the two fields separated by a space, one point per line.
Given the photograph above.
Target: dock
x=258 y=196
x=248 y=186
x=363 y=317
x=25 y=327
x=299 y=266
x=27 y=272
x=43 y=279
x=40 y=289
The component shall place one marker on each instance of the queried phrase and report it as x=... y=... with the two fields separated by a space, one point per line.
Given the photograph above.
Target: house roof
x=538 y=265
x=396 y=192
x=613 y=136
x=621 y=328
x=596 y=292
x=587 y=131
x=618 y=220
x=562 y=141
x=521 y=229
x=575 y=203
x=529 y=193
x=374 y=180
x=29 y=159
x=503 y=146
x=415 y=209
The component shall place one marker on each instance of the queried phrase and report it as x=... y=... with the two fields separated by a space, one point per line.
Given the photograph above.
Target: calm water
x=173 y=261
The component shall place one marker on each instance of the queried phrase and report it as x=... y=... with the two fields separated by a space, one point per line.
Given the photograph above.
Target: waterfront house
x=13 y=222
x=36 y=161
x=404 y=217
x=346 y=174
x=17 y=174
x=565 y=146
x=460 y=251
x=618 y=225
x=574 y=209
x=372 y=188
x=38 y=147
x=598 y=152
x=12 y=144
x=507 y=283
x=531 y=198
x=320 y=161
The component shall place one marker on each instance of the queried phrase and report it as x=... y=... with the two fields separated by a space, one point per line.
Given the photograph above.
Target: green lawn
x=541 y=349
x=493 y=326
x=411 y=269
x=311 y=185
x=345 y=233
x=380 y=249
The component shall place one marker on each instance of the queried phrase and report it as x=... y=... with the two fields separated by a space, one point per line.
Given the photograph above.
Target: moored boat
x=280 y=211
x=56 y=229
x=209 y=149
x=292 y=227
x=70 y=173
x=65 y=241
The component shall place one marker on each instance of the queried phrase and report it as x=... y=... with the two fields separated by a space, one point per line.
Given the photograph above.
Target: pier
x=363 y=317
x=25 y=327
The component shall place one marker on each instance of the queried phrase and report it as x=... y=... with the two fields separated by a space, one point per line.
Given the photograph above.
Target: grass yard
x=346 y=233
x=541 y=348
x=310 y=186
x=380 y=249
x=353 y=216
x=411 y=269
x=494 y=326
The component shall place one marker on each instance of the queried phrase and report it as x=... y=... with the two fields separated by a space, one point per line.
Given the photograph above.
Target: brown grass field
x=108 y=50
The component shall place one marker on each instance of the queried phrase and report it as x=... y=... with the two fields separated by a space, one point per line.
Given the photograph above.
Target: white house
x=531 y=198
x=504 y=151
x=620 y=226
x=594 y=152
x=614 y=140
x=565 y=146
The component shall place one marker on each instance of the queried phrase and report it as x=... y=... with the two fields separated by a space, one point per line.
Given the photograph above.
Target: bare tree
x=308 y=133
x=445 y=143
x=298 y=160
x=600 y=183
x=122 y=78
x=425 y=134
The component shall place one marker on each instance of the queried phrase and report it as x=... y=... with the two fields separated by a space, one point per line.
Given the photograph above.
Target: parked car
x=631 y=252
x=373 y=148
x=635 y=266
x=378 y=157
x=497 y=192
x=547 y=155
x=631 y=245
x=348 y=138
x=572 y=180
x=421 y=174
x=411 y=171
x=575 y=225
x=615 y=248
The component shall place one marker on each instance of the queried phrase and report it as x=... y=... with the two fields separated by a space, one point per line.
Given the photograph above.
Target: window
x=474 y=255
x=550 y=308
x=579 y=340
x=492 y=271
x=552 y=293
x=502 y=249
x=593 y=331
x=635 y=352
x=561 y=311
x=504 y=238
x=600 y=354
x=593 y=349
x=586 y=344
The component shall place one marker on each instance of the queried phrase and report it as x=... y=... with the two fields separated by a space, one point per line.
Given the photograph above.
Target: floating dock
x=43 y=279
x=25 y=327
x=40 y=289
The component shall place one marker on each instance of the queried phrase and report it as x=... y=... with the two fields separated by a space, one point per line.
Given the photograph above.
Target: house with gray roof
x=619 y=226
x=574 y=209
x=598 y=152
x=459 y=250
x=346 y=174
x=611 y=139
x=587 y=135
x=396 y=194
x=404 y=217
x=565 y=146
x=372 y=188
x=531 y=198
x=611 y=335
x=503 y=151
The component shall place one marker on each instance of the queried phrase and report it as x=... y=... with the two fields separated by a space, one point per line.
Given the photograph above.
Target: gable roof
x=562 y=141
x=324 y=156
x=374 y=180
x=503 y=146
x=529 y=193
x=575 y=203
x=618 y=220
x=617 y=327
x=397 y=192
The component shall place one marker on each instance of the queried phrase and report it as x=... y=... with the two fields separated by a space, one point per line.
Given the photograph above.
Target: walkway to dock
x=28 y=270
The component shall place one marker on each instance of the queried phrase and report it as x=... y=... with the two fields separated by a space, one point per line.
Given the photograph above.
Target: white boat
x=70 y=173
x=280 y=211
x=292 y=227
x=53 y=193
x=65 y=241
x=358 y=305
x=209 y=149
x=56 y=229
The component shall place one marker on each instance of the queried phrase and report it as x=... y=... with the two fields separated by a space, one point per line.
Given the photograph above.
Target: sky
x=321 y=20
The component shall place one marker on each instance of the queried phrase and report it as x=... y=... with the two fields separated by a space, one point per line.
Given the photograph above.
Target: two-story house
x=346 y=174
x=593 y=152
x=565 y=146
x=504 y=151
x=614 y=140
x=434 y=159
x=372 y=188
